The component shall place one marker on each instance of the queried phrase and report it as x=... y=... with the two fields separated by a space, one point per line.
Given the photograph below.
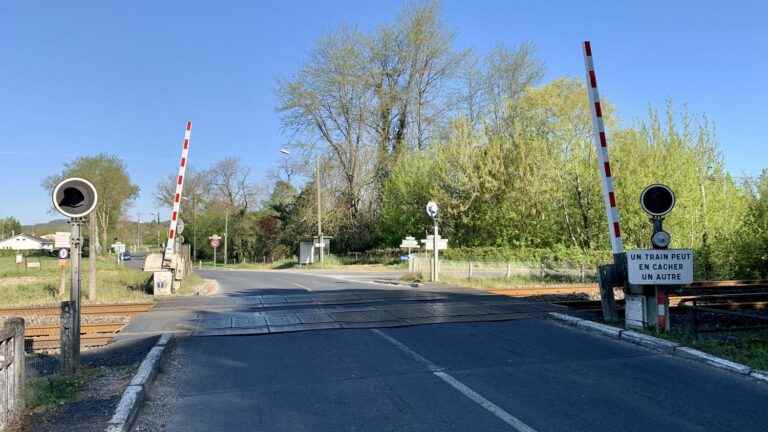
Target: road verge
x=661 y=345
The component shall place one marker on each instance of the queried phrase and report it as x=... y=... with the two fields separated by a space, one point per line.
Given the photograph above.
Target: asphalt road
x=515 y=375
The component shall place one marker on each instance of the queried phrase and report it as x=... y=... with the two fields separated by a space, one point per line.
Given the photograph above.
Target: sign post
x=432 y=212
x=76 y=198
x=652 y=271
x=63 y=260
x=215 y=243
x=409 y=243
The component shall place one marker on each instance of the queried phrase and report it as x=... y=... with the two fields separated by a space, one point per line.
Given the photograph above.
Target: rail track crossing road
x=292 y=351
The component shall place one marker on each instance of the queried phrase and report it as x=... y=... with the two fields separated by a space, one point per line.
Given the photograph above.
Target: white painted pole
x=436 y=268
x=601 y=147
x=169 y=247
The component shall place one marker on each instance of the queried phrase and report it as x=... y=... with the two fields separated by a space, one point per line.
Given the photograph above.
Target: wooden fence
x=11 y=370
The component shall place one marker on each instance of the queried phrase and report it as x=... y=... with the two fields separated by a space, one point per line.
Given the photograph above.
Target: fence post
x=12 y=374
x=68 y=362
x=20 y=361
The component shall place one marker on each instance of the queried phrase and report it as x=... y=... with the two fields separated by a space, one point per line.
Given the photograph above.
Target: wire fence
x=533 y=271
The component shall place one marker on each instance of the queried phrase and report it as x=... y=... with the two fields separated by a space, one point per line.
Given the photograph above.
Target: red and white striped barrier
x=601 y=144
x=169 y=247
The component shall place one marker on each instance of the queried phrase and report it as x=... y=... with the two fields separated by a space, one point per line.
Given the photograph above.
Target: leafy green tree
x=9 y=226
x=110 y=178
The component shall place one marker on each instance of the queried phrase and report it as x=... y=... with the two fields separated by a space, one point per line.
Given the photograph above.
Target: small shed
x=309 y=250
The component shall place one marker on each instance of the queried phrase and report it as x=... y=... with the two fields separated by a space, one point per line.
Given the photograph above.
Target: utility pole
x=319 y=213
x=194 y=228
x=92 y=256
x=138 y=231
x=226 y=235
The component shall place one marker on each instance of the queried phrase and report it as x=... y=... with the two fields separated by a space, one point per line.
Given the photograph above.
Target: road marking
x=472 y=395
x=302 y=286
x=413 y=354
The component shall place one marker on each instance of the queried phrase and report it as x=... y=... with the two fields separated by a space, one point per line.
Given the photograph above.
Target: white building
x=21 y=242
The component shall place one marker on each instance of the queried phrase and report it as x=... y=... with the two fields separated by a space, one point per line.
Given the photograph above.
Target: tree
x=112 y=182
x=9 y=226
x=365 y=99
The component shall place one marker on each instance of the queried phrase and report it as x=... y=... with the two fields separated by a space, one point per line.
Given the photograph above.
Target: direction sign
x=442 y=243
x=409 y=243
x=660 y=267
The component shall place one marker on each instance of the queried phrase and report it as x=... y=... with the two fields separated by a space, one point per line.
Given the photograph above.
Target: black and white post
x=432 y=212
x=75 y=198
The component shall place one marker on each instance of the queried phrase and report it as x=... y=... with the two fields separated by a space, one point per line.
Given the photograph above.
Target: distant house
x=21 y=242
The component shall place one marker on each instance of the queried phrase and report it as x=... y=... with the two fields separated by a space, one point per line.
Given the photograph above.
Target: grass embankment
x=746 y=347
x=191 y=285
x=40 y=286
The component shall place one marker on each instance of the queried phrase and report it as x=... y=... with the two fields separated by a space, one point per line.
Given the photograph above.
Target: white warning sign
x=660 y=267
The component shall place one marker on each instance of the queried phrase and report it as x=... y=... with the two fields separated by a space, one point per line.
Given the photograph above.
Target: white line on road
x=474 y=396
x=302 y=286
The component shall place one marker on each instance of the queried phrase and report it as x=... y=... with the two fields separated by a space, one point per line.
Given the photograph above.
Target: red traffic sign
x=215 y=243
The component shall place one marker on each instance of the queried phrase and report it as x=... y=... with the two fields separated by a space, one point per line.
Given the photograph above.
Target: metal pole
x=435 y=265
x=71 y=353
x=194 y=228
x=92 y=257
x=226 y=235
x=319 y=213
x=138 y=230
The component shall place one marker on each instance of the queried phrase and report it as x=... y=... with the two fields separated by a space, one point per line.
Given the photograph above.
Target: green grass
x=191 y=283
x=499 y=283
x=54 y=390
x=747 y=347
x=40 y=287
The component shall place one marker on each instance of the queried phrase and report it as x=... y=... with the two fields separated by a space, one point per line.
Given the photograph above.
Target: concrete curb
x=662 y=345
x=648 y=341
x=134 y=394
x=395 y=283
x=713 y=360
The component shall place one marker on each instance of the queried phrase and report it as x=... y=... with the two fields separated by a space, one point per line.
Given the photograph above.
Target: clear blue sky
x=78 y=78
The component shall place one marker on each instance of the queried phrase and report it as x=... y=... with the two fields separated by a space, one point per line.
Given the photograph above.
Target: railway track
x=46 y=337
x=727 y=294
x=122 y=309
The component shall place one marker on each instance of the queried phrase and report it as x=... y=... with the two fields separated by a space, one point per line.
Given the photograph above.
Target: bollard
x=469 y=271
x=509 y=270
